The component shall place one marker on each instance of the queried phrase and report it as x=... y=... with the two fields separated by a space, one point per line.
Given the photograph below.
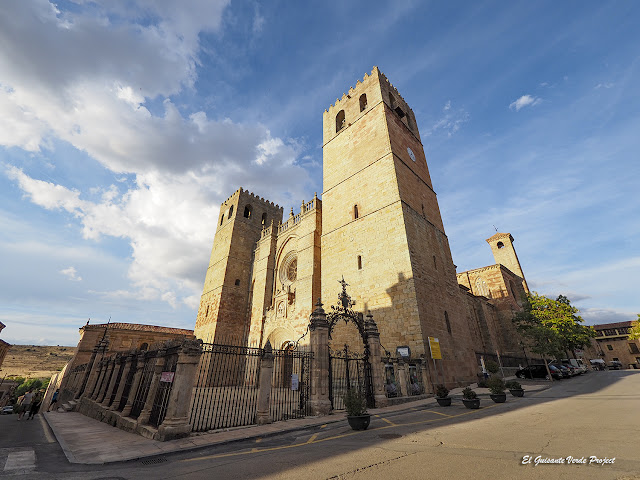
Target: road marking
x=258 y=440
x=322 y=426
x=335 y=437
x=438 y=413
x=388 y=421
x=21 y=460
x=313 y=437
x=45 y=429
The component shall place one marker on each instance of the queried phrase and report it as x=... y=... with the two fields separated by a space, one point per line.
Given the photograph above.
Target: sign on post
x=294 y=381
x=167 y=377
x=434 y=346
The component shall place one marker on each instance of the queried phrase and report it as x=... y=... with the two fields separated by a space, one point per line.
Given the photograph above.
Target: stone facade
x=612 y=344
x=122 y=337
x=379 y=227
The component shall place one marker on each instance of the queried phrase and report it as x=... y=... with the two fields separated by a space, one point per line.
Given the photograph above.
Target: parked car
x=538 y=371
x=577 y=363
x=566 y=373
x=615 y=365
x=7 y=410
x=597 y=364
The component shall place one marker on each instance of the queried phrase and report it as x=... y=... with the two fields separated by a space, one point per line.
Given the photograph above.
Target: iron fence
x=161 y=400
x=120 y=369
x=226 y=392
x=128 y=381
x=140 y=397
x=290 y=384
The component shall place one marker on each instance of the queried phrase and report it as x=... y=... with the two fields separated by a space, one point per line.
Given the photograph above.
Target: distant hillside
x=34 y=361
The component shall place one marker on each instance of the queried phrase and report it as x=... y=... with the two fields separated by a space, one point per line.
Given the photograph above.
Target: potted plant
x=442 y=396
x=355 y=405
x=470 y=398
x=515 y=388
x=496 y=389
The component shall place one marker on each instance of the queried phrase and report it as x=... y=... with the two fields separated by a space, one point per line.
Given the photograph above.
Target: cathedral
x=377 y=225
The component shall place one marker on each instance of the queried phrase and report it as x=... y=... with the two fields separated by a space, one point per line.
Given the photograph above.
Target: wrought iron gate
x=347 y=370
x=290 y=384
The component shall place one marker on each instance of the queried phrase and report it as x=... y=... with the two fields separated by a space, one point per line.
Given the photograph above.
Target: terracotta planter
x=517 y=392
x=359 y=422
x=471 y=403
x=443 y=401
x=498 y=397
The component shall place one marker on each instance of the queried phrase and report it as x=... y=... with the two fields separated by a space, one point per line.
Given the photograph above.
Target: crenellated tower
x=382 y=228
x=222 y=315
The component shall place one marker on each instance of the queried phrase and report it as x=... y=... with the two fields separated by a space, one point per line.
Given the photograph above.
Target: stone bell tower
x=505 y=254
x=381 y=224
x=223 y=314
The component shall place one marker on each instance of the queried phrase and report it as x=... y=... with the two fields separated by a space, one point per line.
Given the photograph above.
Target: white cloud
x=450 y=122
x=524 y=101
x=604 y=85
x=71 y=273
x=84 y=78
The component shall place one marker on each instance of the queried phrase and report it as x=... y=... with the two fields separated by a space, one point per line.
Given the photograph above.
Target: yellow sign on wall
x=434 y=346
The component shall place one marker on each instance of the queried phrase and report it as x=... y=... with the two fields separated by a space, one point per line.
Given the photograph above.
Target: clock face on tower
x=411 y=154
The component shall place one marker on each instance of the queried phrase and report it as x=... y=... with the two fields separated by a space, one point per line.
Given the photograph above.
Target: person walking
x=35 y=405
x=26 y=403
x=54 y=400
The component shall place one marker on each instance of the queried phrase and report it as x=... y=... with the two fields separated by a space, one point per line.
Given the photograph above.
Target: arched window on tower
x=230 y=211
x=363 y=102
x=500 y=245
x=340 y=121
x=356 y=214
x=222 y=218
x=264 y=219
x=359 y=262
x=247 y=211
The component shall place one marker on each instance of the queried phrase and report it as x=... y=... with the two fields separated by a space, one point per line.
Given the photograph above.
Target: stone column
x=143 y=419
x=92 y=376
x=117 y=361
x=106 y=381
x=102 y=367
x=123 y=381
x=126 y=411
x=264 y=387
x=176 y=421
x=319 y=339
x=426 y=381
x=401 y=376
x=375 y=359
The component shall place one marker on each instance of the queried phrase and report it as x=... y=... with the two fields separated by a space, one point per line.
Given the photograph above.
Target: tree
x=634 y=334
x=552 y=327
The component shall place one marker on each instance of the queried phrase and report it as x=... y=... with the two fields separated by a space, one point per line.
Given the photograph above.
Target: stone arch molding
x=279 y=336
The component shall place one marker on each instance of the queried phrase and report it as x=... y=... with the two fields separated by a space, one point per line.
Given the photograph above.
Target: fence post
x=126 y=411
x=264 y=387
x=375 y=355
x=319 y=338
x=109 y=377
x=401 y=376
x=123 y=380
x=428 y=384
x=145 y=414
x=102 y=367
x=117 y=361
x=176 y=422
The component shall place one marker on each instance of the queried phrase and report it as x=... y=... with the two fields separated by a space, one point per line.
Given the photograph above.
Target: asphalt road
x=594 y=415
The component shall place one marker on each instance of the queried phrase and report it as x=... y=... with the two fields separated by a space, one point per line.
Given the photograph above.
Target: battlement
x=294 y=219
x=246 y=193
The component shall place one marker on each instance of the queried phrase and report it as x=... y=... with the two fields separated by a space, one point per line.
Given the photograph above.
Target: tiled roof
x=603 y=326
x=140 y=328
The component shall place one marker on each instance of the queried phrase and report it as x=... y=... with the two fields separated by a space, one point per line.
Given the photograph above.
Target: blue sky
x=124 y=125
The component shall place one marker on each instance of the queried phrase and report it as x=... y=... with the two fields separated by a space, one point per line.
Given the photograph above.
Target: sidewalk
x=88 y=441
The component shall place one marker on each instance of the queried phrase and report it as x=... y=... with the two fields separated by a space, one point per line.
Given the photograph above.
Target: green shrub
x=491 y=366
x=469 y=394
x=442 y=391
x=355 y=403
x=482 y=383
x=513 y=385
x=496 y=385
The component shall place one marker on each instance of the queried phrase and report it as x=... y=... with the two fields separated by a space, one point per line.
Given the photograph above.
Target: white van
x=576 y=362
